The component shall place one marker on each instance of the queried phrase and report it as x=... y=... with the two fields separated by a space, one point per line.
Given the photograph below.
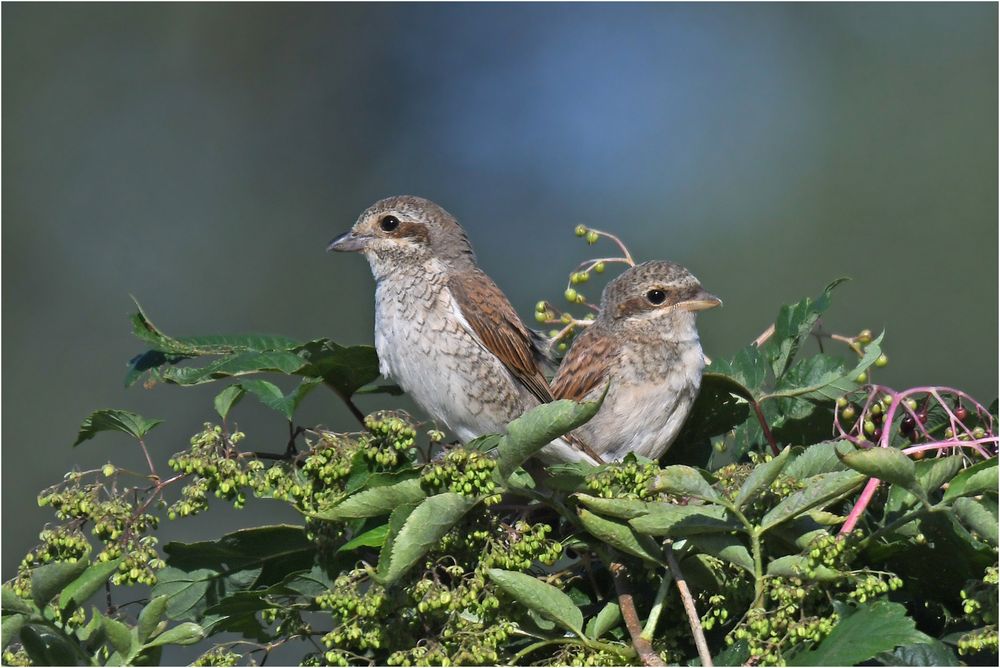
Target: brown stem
x=358 y=415
x=642 y=646
x=767 y=430
x=689 y=608
x=149 y=460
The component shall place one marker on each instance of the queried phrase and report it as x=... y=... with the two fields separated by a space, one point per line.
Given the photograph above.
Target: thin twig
x=642 y=646
x=149 y=460
x=689 y=608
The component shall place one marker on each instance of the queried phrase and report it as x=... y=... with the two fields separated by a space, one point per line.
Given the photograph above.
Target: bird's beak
x=701 y=301
x=348 y=242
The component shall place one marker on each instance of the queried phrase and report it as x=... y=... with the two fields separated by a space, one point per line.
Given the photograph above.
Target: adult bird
x=443 y=330
x=644 y=342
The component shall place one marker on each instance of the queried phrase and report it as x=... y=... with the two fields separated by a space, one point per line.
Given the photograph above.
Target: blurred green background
x=200 y=157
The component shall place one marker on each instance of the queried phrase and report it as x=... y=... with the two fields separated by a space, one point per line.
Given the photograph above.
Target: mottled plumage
x=443 y=330
x=645 y=344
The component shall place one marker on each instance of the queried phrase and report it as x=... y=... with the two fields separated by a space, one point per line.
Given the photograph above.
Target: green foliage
x=412 y=551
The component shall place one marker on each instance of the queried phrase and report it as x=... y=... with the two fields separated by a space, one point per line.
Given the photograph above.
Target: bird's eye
x=389 y=223
x=656 y=296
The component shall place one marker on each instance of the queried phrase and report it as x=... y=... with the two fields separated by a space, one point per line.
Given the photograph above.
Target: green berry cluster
x=389 y=437
x=356 y=606
x=216 y=467
x=868 y=586
x=627 y=479
x=579 y=655
x=979 y=605
x=60 y=543
x=465 y=472
x=794 y=614
x=139 y=560
x=218 y=656
x=17 y=657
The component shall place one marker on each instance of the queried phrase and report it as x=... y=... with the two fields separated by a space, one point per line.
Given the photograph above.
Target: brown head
x=652 y=290
x=405 y=228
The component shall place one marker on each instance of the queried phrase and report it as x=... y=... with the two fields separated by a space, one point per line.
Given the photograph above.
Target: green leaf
x=87 y=584
x=746 y=372
x=761 y=478
x=201 y=574
x=50 y=579
x=721 y=405
x=225 y=400
x=424 y=527
x=794 y=323
x=46 y=647
x=797 y=566
x=344 y=369
x=375 y=501
x=541 y=597
x=271 y=396
x=685 y=481
x=187 y=633
x=607 y=619
x=625 y=509
x=538 y=427
x=862 y=633
x=371 y=538
x=931 y=653
x=974 y=480
x=675 y=521
x=12 y=603
x=118 y=635
x=236 y=364
x=816 y=459
x=887 y=464
x=195 y=346
x=724 y=546
x=820 y=491
x=829 y=388
x=150 y=617
x=935 y=472
x=11 y=627
x=114 y=420
x=978 y=516
x=622 y=537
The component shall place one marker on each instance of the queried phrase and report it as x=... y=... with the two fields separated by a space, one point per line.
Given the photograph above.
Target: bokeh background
x=200 y=157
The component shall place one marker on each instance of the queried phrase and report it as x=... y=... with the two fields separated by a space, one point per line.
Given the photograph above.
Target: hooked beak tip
x=346 y=243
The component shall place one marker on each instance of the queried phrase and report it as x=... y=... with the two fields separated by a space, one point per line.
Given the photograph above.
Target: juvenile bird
x=443 y=330
x=644 y=341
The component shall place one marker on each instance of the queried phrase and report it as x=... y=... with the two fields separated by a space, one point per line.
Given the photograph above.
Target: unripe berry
x=570 y=295
x=849 y=413
x=581 y=230
x=599 y=267
x=842 y=402
x=592 y=237
x=864 y=337
x=862 y=378
x=882 y=360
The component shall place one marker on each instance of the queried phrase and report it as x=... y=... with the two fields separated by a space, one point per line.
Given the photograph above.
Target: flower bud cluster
x=628 y=479
x=356 y=606
x=214 y=463
x=979 y=603
x=869 y=586
x=390 y=436
x=465 y=472
x=218 y=656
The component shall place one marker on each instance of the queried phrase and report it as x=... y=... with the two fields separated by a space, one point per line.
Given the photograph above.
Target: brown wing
x=499 y=328
x=585 y=366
